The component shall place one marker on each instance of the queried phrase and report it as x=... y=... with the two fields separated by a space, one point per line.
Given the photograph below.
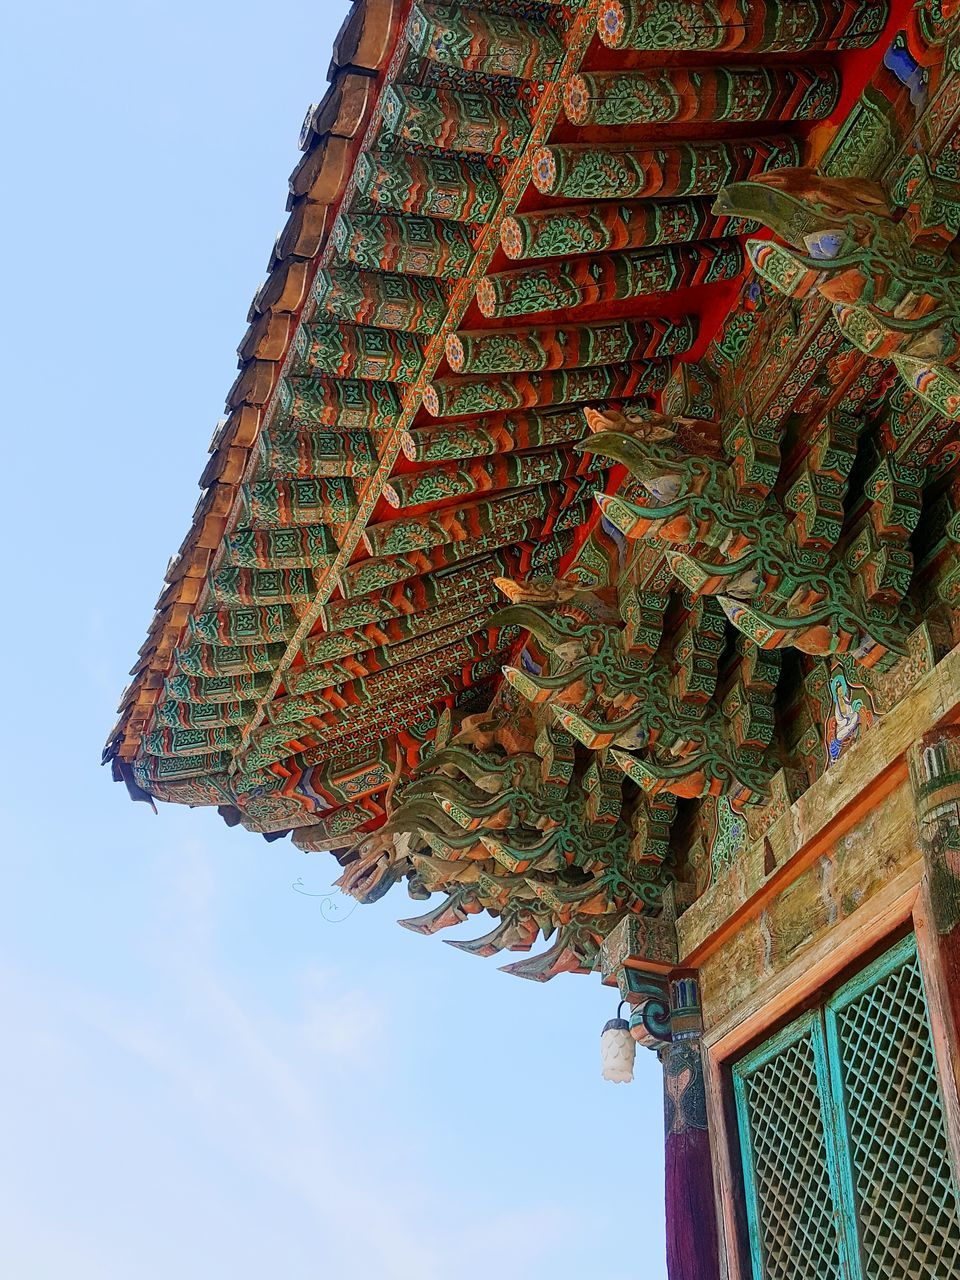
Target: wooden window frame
x=903 y=906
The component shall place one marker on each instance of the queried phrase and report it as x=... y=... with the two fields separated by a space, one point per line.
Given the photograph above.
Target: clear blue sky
x=201 y=1078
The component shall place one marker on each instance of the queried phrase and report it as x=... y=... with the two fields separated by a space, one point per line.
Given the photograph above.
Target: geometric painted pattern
x=329 y=594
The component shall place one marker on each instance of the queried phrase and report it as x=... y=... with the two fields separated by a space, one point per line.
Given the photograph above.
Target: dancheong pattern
x=590 y=486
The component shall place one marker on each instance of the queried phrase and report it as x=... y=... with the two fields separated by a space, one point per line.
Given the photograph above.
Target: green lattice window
x=846 y=1166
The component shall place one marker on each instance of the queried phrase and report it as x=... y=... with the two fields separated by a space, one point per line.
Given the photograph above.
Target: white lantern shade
x=618 y=1051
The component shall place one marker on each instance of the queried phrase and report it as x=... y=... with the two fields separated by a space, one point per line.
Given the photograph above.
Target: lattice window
x=845 y=1154
x=781 y=1092
x=885 y=1082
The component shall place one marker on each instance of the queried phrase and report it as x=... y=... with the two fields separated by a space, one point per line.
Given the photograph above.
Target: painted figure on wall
x=850 y=714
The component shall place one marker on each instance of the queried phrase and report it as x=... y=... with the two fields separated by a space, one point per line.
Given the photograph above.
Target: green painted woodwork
x=887 y=1098
x=795 y=487
x=382 y=571
x=273 y=503
x=227 y=660
x=354 y=351
x=202 y=715
x=150 y=769
x=231 y=585
x=584 y=171
x=336 y=402
x=453 y=589
x=453 y=641
x=438 y=186
x=574 y=282
x=493 y=435
x=527 y=849
x=482 y=40
x=938 y=386
x=513 y=471
x=377 y=645
x=456 y=524
x=846 y=1161
x=191 y=742
x=470 y=661
x=892 y=295
x=568 y=346
x=552 y=233
x=382 y=297
x=790 y=1158
x=185 y=688
x=245 y=624
x=461 y=396
x=455 y=121
x=624 y=687
x=771 y=26
x=317 y=453
x=412 y=245
x=781 y=576
x=307 y=546
x=668 y=95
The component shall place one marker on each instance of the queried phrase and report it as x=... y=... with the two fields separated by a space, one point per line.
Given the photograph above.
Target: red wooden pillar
x=693 y=1245
x=935 y=775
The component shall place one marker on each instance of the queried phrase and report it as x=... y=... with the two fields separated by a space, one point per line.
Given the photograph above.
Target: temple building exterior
x=580 y=552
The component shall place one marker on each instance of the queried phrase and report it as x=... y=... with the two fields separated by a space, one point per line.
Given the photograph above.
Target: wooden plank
x=859 y=865
x=809 y=973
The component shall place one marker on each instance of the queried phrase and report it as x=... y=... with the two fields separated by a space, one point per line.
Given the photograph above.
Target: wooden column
x=640 y=957
x=693 y=1242
x=935 y=774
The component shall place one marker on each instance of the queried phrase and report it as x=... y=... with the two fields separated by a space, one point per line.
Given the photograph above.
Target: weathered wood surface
x=935 y=780
x=866 y=778
x=693 y=1251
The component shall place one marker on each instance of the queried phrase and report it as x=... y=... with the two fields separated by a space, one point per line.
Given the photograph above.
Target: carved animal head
x=644 y=424
x=539 y=591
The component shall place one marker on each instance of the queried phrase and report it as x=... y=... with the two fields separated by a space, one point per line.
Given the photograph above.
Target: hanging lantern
x=617 y=1050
